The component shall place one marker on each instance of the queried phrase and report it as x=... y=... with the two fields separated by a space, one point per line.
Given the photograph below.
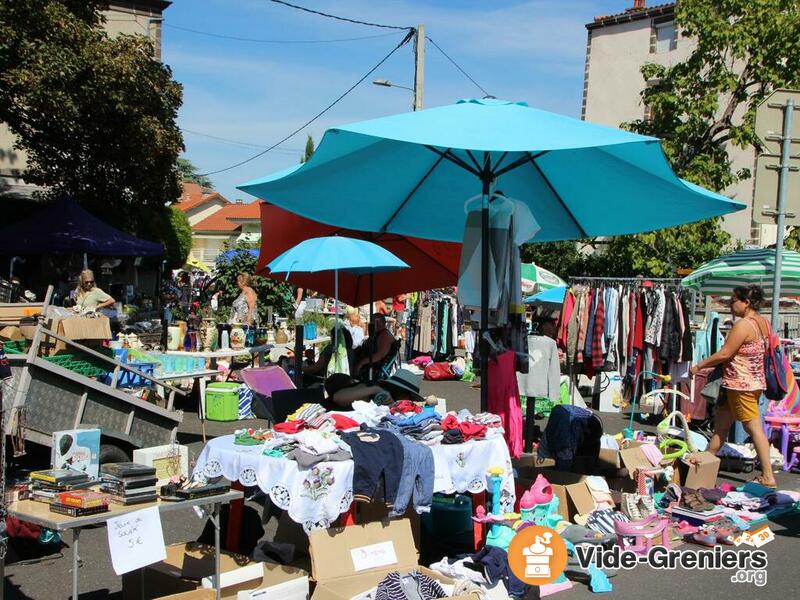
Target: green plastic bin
x=222 y=401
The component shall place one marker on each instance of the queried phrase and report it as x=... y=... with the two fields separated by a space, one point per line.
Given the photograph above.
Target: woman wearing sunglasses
x=88 y=296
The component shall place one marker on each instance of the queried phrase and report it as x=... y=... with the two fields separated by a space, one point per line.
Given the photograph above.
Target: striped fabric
x=535 y=279
x=746 y=267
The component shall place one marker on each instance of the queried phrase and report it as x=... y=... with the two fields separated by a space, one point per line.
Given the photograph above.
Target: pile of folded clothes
x=422 y=426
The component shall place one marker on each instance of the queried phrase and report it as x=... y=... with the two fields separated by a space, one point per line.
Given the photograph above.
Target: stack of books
x=128 y=483
x=46 y=485
x=80 y=503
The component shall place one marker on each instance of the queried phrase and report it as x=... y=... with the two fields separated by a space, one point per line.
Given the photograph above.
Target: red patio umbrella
x=432 y=264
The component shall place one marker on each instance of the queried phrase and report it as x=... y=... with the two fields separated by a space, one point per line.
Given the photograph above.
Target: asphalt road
x=50 y=577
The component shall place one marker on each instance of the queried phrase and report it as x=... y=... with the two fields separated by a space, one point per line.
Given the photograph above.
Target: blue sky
x=256 y=93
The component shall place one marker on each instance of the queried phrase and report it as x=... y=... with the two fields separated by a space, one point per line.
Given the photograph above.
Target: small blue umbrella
x=336 y=254
x=552 y=296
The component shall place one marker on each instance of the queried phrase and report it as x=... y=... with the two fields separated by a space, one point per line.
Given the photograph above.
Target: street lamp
x=387 y=83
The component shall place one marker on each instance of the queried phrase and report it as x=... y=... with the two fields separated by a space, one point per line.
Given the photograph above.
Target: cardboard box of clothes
x=346 y=562
x=187 y=565
x=574 y=496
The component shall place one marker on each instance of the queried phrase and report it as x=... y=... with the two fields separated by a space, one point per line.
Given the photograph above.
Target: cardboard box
x=187 y=564
x=700 y=474
x=89 y=331
x=11 y=334
x=351 y=560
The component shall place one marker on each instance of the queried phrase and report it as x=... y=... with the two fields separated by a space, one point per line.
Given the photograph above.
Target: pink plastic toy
x=644 y=532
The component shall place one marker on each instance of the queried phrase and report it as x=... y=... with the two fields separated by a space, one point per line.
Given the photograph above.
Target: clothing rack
x=581 y=279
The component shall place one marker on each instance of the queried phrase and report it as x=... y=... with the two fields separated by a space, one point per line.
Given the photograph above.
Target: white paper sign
x=376 y=555
x=136 y=540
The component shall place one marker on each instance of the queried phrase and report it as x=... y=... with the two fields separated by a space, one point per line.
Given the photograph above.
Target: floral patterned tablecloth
x=315 y=498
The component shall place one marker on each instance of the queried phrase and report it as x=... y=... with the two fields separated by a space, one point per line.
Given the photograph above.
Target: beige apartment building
x=616 y=48
x=137 y=17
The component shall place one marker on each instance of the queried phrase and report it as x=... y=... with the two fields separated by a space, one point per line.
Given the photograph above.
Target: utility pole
x=419 y=67
x=783 y=186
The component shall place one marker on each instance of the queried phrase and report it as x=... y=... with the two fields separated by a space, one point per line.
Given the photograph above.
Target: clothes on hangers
x=543 y=379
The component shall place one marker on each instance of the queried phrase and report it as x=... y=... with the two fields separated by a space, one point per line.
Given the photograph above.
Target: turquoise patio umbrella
x=335 y=253
x=412 y=174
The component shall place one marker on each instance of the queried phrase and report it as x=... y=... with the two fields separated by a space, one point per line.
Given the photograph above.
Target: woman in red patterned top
x=743 y=376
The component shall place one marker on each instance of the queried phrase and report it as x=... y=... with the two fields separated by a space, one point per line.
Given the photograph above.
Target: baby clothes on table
x=416 y=478
x=315 y=442
x=743 y=501
x=414 y=586
x=376 y=453
x=306 y=460
x=368 y=413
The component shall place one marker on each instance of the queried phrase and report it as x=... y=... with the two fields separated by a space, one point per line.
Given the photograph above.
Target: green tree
x=188 y=171
x=270 y=292
x=176 y=234
x=744 y=49
x=95 y=115
x=309 y=150
x=699 y=107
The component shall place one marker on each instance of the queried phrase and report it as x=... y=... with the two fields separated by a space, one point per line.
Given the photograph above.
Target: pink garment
x=422 y=361
x=504 y=399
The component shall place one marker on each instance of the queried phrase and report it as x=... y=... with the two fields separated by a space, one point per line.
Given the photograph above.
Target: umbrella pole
x=483 y=344
x=335 y=312
x=371 y=307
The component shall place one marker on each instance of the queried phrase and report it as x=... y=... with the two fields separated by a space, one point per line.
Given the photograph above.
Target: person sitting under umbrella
x=376 y=350
x=342 y=390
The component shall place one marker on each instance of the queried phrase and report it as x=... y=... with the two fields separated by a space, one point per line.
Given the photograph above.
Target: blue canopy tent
x=412 y=174
x=63 y=227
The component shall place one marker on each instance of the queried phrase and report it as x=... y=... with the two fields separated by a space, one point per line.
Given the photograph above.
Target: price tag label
x=762 y=535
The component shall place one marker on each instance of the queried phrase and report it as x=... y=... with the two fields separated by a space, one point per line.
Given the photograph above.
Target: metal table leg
x=217 y=550
x=76 y=534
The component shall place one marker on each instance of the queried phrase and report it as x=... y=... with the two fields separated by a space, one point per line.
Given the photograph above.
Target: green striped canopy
x=746 y=267
x=535 y=279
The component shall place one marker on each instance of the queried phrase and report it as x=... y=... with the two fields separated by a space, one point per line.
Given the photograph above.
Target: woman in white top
x=88 y=296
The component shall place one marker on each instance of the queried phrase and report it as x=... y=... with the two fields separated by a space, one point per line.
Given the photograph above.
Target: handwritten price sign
x=136 y=540
x=762 y=535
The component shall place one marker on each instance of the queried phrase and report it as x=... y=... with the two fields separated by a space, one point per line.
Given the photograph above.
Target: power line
x=262 y=41
x=447 y=56
x=404 y=41
x=237 y=142
x=322 y=14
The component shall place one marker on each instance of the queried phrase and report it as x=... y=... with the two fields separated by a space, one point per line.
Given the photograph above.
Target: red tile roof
x=230 y=217
x=193 y=196
x=633 y=14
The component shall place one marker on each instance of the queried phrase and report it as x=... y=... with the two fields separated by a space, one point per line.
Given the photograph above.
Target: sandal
x=760 y=481
x=693 y=500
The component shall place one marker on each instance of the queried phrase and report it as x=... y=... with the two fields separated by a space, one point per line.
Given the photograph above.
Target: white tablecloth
x=315 y=498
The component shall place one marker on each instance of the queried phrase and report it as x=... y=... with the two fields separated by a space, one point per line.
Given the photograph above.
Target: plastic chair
x=644 y=533
x=785 y=415
x=265 y=380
